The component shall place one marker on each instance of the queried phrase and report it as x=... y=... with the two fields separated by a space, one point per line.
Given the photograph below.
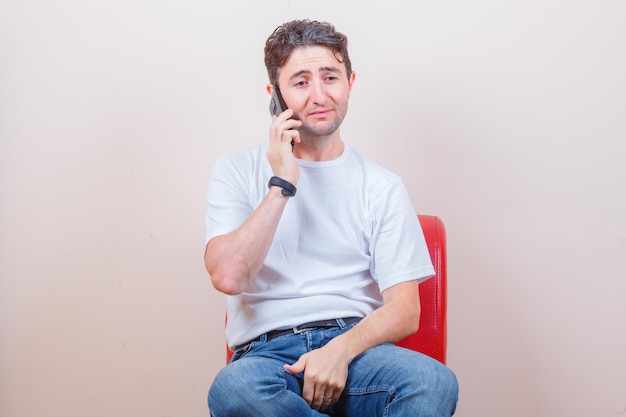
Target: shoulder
x=249 y=154
x=374 y=173
x=245 y=160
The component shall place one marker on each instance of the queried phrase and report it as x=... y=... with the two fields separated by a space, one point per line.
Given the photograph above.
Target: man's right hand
x=279 y=153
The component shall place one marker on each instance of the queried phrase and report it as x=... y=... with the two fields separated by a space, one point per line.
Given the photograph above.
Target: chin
x=320 y=129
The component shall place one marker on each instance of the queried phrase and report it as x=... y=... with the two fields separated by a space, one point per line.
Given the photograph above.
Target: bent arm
x=396 y=319
x=326 y=369
x=234 y=259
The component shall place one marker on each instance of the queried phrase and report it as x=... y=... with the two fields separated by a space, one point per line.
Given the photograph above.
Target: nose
x=318 y=93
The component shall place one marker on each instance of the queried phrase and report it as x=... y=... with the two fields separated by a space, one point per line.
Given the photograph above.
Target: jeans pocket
x=239 y=353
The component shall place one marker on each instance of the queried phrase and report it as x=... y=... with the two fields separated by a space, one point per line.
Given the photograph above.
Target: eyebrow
x=321 y=69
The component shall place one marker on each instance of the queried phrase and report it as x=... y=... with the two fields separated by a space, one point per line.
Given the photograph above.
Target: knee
x=223 y=398
x=240 y=387
x=443 y=389
x=431 y=385
x=448 y=383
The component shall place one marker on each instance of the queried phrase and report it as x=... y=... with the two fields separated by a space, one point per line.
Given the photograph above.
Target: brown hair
x=298 y=33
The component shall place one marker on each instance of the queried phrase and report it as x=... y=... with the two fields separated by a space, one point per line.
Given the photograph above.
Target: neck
x=319 y=149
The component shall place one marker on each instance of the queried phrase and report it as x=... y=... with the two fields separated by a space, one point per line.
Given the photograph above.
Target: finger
x=308 y=394
x=284 y=131
x=276 y=130
x=291 y=136
x=286 y=117
x=319 y=395
x=296 y=368
x=318 y=402
x=286 y=120
x=292 y=123
x=285 y=114
x=327 y=401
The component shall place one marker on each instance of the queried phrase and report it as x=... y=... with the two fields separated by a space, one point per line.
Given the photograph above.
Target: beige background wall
x=506 y=119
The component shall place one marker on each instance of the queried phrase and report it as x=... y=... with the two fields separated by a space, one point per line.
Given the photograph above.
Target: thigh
x=256 y=384
x=387 y=363
x=388 y=380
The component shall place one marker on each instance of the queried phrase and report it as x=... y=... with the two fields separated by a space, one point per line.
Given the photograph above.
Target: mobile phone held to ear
x=277 y=106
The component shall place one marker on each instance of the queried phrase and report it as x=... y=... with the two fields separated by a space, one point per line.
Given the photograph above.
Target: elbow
x=223 y=280
x=223 y=284
x=413 y=326
x=229 y=274
x=412 y=322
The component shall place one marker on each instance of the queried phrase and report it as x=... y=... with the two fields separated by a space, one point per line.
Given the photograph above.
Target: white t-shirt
x=349 y=233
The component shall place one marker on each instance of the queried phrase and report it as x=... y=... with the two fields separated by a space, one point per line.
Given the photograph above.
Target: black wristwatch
x=288 y=189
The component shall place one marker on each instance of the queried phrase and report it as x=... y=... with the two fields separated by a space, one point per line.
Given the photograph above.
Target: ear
x=351 y=81
x=269 y=88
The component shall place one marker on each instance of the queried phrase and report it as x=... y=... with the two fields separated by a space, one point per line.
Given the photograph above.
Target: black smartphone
x=277 y=106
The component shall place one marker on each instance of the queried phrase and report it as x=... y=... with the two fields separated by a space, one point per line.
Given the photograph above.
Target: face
x=314 y=84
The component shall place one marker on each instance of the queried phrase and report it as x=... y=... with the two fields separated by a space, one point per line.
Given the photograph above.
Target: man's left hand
x=325 y=374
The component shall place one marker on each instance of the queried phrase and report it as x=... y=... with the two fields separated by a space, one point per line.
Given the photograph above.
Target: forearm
x=326 y=369
x=234 y=259
x=392 y=322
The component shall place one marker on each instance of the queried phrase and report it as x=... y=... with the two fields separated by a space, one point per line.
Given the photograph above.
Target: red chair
x=431 y=338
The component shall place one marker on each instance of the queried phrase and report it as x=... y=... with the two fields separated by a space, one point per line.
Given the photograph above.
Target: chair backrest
x=431 y=337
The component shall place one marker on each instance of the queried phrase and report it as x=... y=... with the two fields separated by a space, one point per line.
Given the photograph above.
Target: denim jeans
x=385 y=381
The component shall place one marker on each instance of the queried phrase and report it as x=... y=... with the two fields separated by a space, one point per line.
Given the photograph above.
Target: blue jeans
x=385 y=381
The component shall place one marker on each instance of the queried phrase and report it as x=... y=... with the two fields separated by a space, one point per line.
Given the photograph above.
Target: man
x=320 y=282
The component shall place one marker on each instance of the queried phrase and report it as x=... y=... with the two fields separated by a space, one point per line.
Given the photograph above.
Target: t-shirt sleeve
x=398 y=249
x=227 y=202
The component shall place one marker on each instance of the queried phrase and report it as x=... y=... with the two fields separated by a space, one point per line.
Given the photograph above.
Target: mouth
x=321 y=113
